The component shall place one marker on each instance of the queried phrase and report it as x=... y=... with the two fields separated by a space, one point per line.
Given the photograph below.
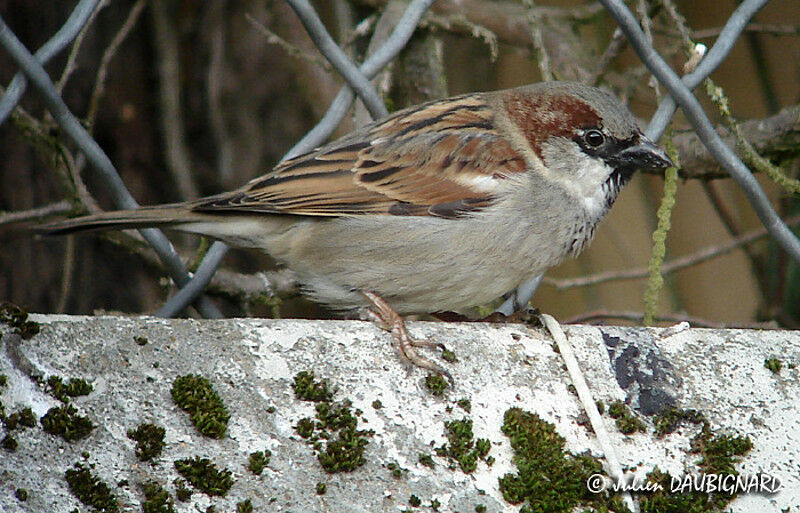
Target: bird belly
x=434 y=265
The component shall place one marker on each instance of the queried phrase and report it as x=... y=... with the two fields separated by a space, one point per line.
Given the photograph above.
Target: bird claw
x=387 y=319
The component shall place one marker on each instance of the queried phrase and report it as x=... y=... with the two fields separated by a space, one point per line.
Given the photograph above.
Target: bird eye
x=594 y=138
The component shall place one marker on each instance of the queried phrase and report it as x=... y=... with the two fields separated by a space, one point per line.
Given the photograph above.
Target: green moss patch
x=306 y=388
x=426 y=459
x=668 y=420
x=9 y=443
x=17 y=319
x=335 y=436
x=64 y=391
x=462 y=447
x=718 y=455
x=21 y=418
x=773 y=365
x=436 y=384
x=245 y=506
x=21 y=494
x=65 y=422
x=90 y=490
x=149 y=441
x=204 y=475
x=548 y=479
x=257 y=461
x=626 y=421
x=156 y=499
x=195 y=395
x=182 y=492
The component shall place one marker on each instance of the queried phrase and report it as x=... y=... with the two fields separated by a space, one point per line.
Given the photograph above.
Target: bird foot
x=388 y=319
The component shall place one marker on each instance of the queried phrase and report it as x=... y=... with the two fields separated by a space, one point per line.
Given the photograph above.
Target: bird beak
x=643 y=155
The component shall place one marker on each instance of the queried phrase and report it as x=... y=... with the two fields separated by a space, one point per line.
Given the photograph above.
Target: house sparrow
x=437 y=207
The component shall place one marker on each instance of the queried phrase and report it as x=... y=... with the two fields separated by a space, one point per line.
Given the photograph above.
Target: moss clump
x=480 y=508
x=157 y=499
x=346 y=452
x=773 y=364
x=90 y=490
x=65 y=422
x=626 y=421
x=63 y=391
x=195 y=395
x=396 y=470
x=414 y=501
x=718 y=455
x=140 y=340
x=377 y=404
x=257 y=461
x=149 y=441
x=336 y=422
x=548 y=479
x=427 y=460
x=436 y=384
x=306 y=388
x=24 y=418
x=305 y=428
x=9 y=443
x=244 y=506
x=182 y=492
x=21 y=494
x=321 y=488
x=17 y=318
x=449 y=356
x=3 y=381
x=204 y=475
x=465 y=404
x=461 y=446
x=668 y=420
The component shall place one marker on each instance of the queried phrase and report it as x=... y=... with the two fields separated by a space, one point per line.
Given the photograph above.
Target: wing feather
x=444 y=158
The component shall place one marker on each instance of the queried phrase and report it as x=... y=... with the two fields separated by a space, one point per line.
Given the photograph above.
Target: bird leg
x=386 y=318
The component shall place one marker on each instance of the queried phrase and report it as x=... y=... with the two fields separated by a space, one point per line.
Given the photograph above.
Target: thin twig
x=290 y=49
x=336 y=56
x=764 y=28
x=629 y=315
x=68 y=268
x=69 y=67
x=60 y=207
x=670 y=266
x=108 y=54
x=535 y=25
x=179 y=163
x=216 y=66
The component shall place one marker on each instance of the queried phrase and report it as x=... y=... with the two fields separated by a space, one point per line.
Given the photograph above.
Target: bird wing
x=443 y=158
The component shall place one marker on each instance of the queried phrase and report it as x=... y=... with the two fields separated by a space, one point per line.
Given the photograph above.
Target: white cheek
x=586 y=185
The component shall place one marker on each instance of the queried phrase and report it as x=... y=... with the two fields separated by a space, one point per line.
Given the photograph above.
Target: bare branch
x=108 y=54
x=776 y=136
x=336 y=56
x=289 y=48
x=671 y=266
x=179 y=163
x=627 y=315
x=60 y=207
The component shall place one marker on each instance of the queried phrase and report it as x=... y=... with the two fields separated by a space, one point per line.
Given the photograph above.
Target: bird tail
x=145 y=217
